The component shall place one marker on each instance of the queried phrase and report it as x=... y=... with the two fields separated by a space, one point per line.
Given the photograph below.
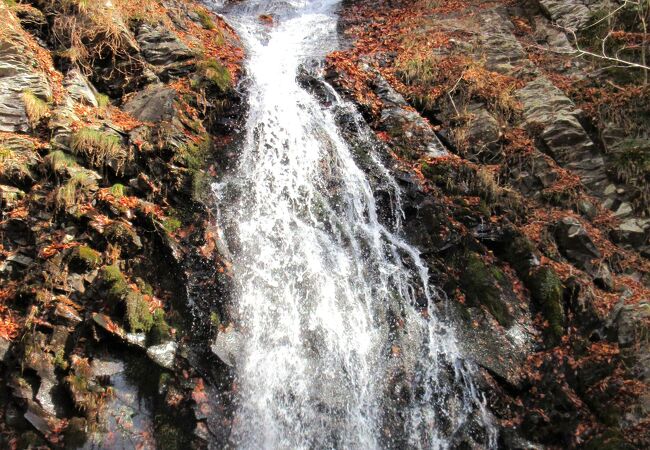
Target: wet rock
x=575 y=243
x=66 y=314
x=227 y=346
x=114 y=329
x=481 y=285
x=163 y=354
x=38 y=359
x=410 y=130
x=18 y=75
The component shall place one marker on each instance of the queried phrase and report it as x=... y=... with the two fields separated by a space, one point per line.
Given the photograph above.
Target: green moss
x=118 y=190
x=519 y=253
x=75 y=189
x=160 y=330
x=102 y=100
x=205 y=19
x=193 y=156
x=172 y=224
x=58 y=161
x=215 y=320
x=480 y=284
x=59 y=359
x=35 y=108
x=138 y=316
x=86 y=257
x=547 y=291
x=144 y=287
x=200 y=185
x=214 y=74
x=118 y=287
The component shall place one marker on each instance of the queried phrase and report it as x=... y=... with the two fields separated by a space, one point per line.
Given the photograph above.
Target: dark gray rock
x=483 y=133
x=575 y=243
x=154 y=104
x=162 y=49
x=502 y=51
x=545 y=107
x=403 y=123
x=632 y=232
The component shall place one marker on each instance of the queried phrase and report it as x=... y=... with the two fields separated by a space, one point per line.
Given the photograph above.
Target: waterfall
x=343 y=345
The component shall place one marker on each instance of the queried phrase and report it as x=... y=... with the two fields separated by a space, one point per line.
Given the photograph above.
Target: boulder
x=154 y=104
x=572 y=14
x=502 y=51
x=633 y=232
x=227 y=346
x=483 y=133
x=80 y=89
x=575 y=243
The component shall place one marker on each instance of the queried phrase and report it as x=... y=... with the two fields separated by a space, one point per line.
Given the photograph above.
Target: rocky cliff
x=522 y=151
x=112 y=118
x=533 y=218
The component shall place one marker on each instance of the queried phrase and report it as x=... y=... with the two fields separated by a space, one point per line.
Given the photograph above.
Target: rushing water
x=335 y=352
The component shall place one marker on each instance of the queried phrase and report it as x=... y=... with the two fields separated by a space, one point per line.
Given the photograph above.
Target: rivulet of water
x=336 y=353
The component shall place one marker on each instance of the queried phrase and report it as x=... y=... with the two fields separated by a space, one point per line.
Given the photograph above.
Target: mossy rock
x=547 y=292
x=137 y=316
x=214 y=75
x=160 y=331
x=123 y=235
x=118 y=288
x=521 y=253
x=85 y=258
x=481 y=285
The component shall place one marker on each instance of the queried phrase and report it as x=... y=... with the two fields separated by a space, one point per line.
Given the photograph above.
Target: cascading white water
x=336 y=353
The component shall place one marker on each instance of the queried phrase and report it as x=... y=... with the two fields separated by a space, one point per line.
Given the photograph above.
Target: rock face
x=165 y=51
x=533 y=224
x=572 y=14
x=398 y=119
x=102 y=218
x=546 y=107
x=17 y=77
